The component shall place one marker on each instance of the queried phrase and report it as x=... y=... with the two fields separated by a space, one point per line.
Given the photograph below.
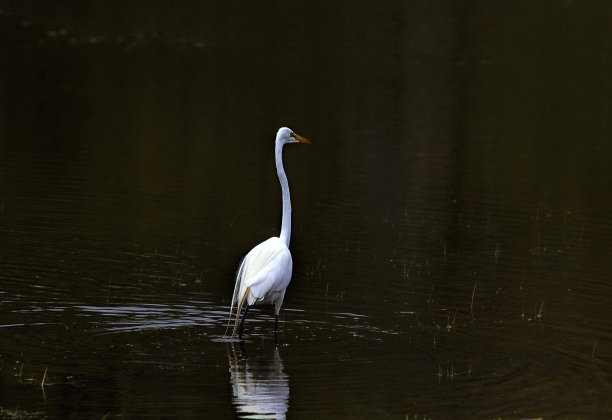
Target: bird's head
x=286 y=135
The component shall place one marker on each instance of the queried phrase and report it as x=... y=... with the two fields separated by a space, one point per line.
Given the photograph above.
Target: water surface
x=452 y=217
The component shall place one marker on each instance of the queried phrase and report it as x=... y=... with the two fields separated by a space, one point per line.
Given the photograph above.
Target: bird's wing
x=269 y=260
x=271 y=280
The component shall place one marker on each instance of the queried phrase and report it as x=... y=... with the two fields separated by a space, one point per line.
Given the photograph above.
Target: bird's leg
x=241 y=326
x=276 y=330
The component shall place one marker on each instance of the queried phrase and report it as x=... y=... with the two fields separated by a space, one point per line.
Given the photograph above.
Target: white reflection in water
x=147 y=316
x=260 y=387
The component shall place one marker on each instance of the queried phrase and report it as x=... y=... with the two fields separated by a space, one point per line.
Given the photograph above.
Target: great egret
x=265 y=272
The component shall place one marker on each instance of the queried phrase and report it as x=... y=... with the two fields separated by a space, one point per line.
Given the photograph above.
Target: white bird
x=265 y=272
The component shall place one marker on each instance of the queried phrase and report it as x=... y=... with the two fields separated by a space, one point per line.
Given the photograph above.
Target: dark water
x=452 y=217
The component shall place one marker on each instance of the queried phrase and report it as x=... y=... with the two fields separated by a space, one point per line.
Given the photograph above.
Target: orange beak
x=301 y=139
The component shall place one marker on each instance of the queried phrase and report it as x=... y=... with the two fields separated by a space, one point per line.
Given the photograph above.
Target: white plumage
x=263 y=276
x=265 y=272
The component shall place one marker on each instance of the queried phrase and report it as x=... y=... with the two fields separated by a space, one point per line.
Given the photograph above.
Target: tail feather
x=239 y=309
x=239 y=275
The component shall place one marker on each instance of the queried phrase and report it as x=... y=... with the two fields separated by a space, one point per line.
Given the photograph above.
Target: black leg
x=276 y=331
x=241 y=326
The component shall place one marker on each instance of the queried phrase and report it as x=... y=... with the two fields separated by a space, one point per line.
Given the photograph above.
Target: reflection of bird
x=265 y=272
x=260 y=386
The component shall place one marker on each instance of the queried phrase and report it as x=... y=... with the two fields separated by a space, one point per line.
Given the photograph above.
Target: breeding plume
x=265 y=272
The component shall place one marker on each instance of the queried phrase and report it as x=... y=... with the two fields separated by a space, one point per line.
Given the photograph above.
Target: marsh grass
x=446 y=371
x=539 y=315
x=496 y=252
x=18 y=414
x=472 y=303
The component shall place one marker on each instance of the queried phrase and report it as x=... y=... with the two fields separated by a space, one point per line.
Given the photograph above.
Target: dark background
x=451 y=220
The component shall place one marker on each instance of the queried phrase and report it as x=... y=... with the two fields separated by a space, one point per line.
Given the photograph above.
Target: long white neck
x=285 y=234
